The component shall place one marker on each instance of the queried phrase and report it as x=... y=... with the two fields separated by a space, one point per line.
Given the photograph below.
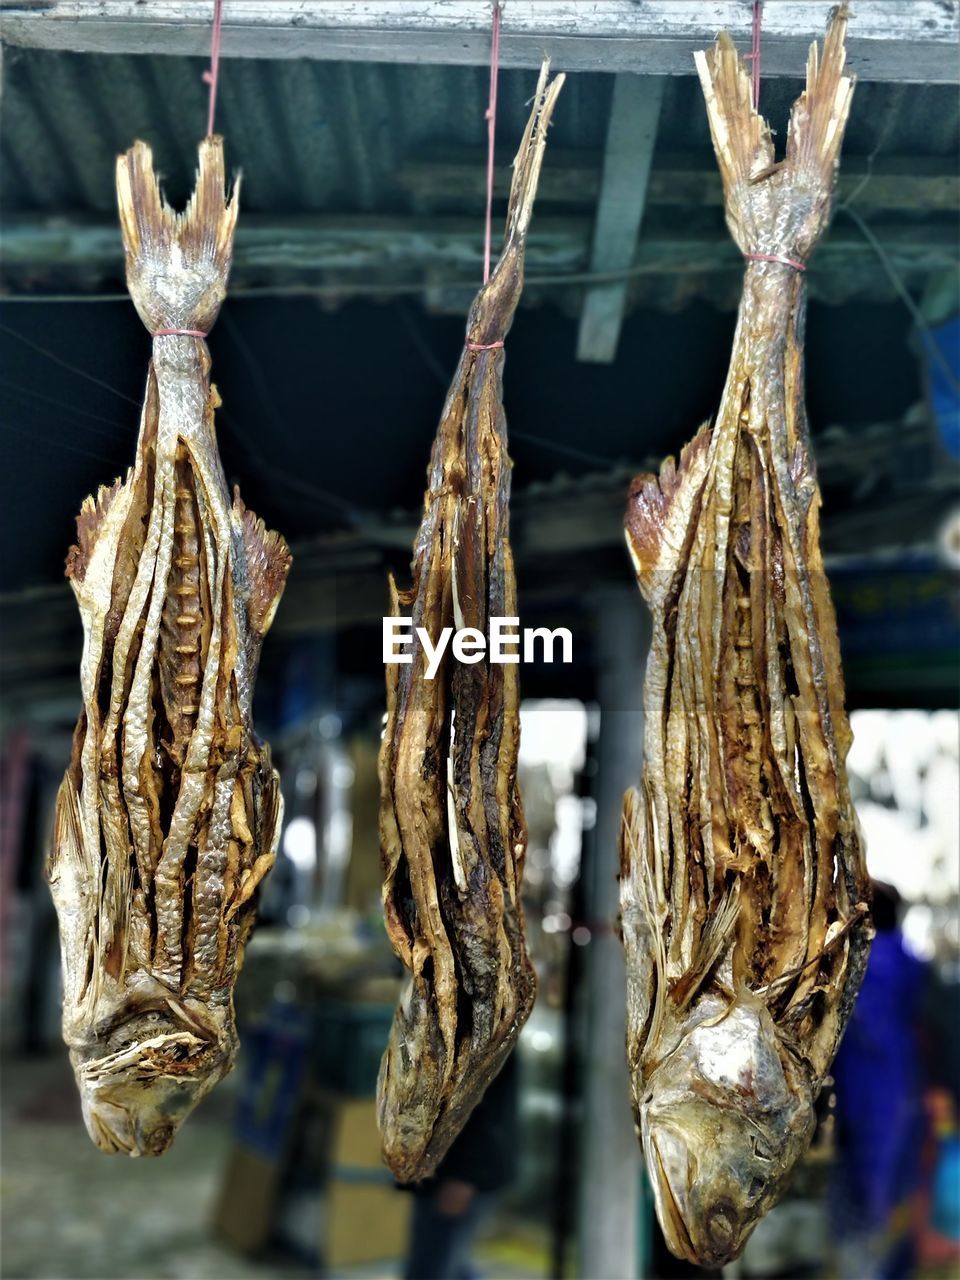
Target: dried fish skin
x=452 y=833
x=744 y=891
x=169 y=814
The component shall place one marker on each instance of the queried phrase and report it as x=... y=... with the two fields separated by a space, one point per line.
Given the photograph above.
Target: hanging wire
x=117 y=430
x=491 y=117
x=753 y=57
x=212 y=75
x=361 y=289
x=893 y=275
x=71 y=368
x=920 y=320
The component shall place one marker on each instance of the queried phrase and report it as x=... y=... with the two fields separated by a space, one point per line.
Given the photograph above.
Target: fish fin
x=711 y=945
x=90 y=520
x=641 y=926
x=66 y=849
x=75 y=888
x=529 y=157
x=819 y=115
x=506 y=279
x=658 y=520
x=741 y=136
x=271 y=813
x=756 y=187
x=266 y=840
x=268 y=563
x=177 y=263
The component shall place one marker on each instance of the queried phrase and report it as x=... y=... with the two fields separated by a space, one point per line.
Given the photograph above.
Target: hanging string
x=491 y=118
x=211 y=76
x=754 y=58
x=754 y=55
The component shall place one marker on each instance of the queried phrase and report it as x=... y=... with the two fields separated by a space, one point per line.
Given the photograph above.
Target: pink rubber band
x=178 y=333
x=481 y=346
x=775 y=257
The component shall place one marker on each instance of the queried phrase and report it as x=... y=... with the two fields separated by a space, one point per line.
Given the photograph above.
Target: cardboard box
x=367 y=1216
x=247 y=1204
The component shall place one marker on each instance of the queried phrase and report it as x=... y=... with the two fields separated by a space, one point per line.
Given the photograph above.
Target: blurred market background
x=359 y=247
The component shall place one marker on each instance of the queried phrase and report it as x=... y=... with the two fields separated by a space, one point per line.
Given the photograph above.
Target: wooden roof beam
x=386 y=246
x=369 y=253
x=921 y=184
x=900 y=40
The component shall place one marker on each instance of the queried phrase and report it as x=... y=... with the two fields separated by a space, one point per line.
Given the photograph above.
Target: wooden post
x=611 y=1160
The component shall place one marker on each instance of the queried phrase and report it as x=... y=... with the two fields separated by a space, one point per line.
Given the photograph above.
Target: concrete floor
x=70 y=1213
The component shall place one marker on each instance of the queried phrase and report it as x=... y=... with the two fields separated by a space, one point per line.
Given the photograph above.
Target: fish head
x=724 y=1120
x=136 y=1096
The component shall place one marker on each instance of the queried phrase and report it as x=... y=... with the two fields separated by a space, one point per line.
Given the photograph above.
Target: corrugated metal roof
x=340 y=140
x=331 y=136
x=309 y=136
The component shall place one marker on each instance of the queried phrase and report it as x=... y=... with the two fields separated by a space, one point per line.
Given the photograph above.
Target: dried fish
x=452 y=833
x=169 y=813
x=743 y=886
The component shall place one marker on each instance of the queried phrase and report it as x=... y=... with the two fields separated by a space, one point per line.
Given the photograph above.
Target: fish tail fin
x=762 y=216
x=177 y=263
x=507 y=274
x=819 y=115
x=529 y=157
x=741 y=136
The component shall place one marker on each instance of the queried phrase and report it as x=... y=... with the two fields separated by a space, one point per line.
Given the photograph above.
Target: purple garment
x=879 y=1086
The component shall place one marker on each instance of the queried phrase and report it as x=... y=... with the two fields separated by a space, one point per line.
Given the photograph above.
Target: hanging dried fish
x=743 y=886
x=452 y=833
x=169 y=813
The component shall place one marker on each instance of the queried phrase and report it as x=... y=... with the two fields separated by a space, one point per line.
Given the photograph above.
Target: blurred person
x=879 y=1079
x=450 y=1207
x=940 y=1242
x=944 y=1218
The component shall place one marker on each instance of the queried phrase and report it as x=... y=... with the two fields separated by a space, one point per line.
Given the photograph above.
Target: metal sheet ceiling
x=330 y=136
